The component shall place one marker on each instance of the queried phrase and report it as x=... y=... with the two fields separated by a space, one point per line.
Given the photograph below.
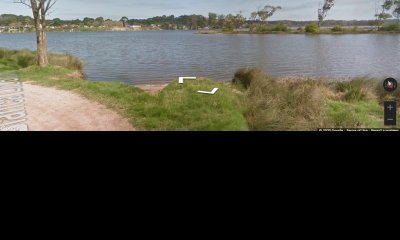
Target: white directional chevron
x=181 y=79
x=214 y=91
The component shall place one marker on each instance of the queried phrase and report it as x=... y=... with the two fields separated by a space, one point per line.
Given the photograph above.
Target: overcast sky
x=115 y=9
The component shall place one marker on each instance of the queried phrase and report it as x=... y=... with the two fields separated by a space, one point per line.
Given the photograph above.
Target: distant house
x=135 y=27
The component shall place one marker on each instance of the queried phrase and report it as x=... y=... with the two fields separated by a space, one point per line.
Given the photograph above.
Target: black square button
x=390 y=113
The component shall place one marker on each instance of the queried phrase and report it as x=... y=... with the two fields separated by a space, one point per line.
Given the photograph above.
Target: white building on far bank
x=135 y=27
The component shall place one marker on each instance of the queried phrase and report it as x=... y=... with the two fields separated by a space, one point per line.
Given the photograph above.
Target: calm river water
x=160 y=56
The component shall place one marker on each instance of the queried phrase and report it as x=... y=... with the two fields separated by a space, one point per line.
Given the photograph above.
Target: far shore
x=297 y=31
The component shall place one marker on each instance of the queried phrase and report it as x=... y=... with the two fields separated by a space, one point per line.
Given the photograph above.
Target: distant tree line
x=386 y=10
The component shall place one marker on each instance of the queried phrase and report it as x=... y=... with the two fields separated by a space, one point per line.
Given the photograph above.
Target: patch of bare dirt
x=50 y=109
x=152 y=88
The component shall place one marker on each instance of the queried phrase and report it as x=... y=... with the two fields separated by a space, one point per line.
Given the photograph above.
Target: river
x=160 y=56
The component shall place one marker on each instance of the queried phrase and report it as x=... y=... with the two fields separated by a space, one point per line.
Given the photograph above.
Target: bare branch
x=23 y=2
x=50 y=4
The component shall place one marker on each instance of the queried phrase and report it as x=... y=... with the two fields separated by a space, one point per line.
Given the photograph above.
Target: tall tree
x=235 y=21
x=124 y=20
x=212 y=20
x=323 y=12
x=40 y=9
x=265 y=13
x=383 y=14
x=396 y=11
x=88 y=21
x=221 y=21
x=99 y=21
x=193 y=22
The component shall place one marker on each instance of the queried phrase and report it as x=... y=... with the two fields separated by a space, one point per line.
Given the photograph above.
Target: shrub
x=67 y=61
x=313 y=28
x=24 y=58
x=262 y=29
x=266 y=29
x=280 y=28
x=227 y=29
x=391 y=27
x=6 y=53
x=337 y=28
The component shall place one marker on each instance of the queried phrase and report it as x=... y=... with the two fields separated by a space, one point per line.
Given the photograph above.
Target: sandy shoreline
x=152 y=88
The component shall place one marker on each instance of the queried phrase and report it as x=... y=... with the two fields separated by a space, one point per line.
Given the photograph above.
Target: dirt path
x=50 y=109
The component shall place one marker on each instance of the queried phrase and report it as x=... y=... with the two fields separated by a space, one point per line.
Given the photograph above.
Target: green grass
x=338 y=28
x=391 y=27
x=361 y=114
x=270 y=29
x=178 y=107
x=255 y=100
x=302 y=104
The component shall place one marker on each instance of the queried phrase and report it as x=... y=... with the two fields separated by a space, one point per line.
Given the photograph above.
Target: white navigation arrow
x=215 y=90
x=187 y=78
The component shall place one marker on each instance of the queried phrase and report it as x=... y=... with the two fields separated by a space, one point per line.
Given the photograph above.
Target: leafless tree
x=40 y=9
x=323 y=12
x=265 y=13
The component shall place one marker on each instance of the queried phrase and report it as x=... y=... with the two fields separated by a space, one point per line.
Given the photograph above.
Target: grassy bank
x=311 y=104
x=177 y=107
x=308 y=29
x=255 y=101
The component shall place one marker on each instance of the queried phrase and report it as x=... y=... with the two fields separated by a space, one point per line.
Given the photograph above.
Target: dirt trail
x=50 y=109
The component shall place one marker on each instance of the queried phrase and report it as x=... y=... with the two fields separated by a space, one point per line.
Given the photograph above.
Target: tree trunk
x=41 y=37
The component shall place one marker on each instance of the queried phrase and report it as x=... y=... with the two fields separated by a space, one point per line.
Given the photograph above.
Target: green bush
x=7 y=53
x=267 y=29
x=262 y=29
x=391 y=27
x=337 y=28
x=313 y=28
x=227 y=29
x=280 y=28
x=25 y=58
x=67 y=61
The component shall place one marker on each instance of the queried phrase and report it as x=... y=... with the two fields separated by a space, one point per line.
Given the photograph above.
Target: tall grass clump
x=22 y=58
x=269 y=29
x=6 y=53
x=274 y=105
x=66 y=60
x=26 y=58
x=358 y=89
